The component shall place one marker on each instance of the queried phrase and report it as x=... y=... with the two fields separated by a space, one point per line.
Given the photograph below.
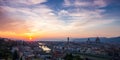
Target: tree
x=68 y=57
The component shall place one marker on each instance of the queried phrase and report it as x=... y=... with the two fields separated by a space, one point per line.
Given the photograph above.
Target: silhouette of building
x=66 y=47
x=68 y=40
x=88 y=41
x=97 y=40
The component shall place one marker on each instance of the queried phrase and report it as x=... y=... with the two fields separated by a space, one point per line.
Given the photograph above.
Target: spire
x=68 y=40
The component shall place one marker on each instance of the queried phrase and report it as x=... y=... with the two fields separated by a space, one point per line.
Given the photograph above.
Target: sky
x=39 y=19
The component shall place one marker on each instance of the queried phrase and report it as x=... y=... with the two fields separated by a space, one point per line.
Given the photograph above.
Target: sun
x=30 y=38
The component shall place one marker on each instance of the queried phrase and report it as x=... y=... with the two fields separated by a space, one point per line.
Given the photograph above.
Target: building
x=97 y=40
x=88 y=41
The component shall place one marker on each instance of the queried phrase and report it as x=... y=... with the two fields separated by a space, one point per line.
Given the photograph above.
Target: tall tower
x=68 y=42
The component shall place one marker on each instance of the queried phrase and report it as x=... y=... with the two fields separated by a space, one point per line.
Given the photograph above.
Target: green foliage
x=77 y=58
x=68 y=57
x=71 y=57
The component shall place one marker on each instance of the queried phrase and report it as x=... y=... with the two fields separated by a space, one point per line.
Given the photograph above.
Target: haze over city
x=39 y=19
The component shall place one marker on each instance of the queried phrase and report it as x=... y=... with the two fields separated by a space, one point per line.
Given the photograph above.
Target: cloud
x=42 y=18
x=31 y=16
x=36 y=1
x=20 y=3
x=39 y=18
x=85 y=3
x=100 y=3
x=11 y=23
x=76 y=3
x=84 y=14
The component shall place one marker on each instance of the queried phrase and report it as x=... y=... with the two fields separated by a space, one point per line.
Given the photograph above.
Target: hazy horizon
x=61 y=39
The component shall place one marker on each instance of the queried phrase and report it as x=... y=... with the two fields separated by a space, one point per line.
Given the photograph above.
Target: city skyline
x=38 y=19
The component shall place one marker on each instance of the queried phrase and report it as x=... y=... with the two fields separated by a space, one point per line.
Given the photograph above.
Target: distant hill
x=113 y=40
x=102 y=39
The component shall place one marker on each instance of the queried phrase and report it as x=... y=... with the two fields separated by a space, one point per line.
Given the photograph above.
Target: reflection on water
x=44 y=48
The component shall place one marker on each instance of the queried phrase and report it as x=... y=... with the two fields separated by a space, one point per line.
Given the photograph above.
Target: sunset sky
x=38 y=19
